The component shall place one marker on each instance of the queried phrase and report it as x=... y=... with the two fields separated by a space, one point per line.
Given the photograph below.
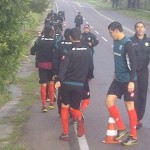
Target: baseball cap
x=87 y=26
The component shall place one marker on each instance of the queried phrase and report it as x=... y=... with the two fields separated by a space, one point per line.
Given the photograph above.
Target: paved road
x=42 y=130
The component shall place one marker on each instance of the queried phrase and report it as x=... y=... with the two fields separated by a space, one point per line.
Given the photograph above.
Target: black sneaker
x=121 y=134
x=129 y=141
x=64 y=137
x=139 y=125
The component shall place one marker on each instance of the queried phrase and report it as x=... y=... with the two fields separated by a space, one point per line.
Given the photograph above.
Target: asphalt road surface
x=42 y=130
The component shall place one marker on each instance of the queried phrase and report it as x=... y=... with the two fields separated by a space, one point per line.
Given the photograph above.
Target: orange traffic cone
x=111 y=132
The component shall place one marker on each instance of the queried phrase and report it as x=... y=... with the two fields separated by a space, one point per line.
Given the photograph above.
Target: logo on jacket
x=89 y=39
x=120 y=47
x=146 y=44
x=63 y=57
x=132 y=94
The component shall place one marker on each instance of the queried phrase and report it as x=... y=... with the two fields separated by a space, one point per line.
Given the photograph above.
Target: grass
x=29 y=96
x=4 y=98
x=134 y=13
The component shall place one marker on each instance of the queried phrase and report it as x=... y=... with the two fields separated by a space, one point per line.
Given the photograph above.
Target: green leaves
x=15 y=20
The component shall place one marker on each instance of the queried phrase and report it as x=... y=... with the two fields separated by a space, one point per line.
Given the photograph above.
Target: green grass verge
x=29 y=96
x=134 y=13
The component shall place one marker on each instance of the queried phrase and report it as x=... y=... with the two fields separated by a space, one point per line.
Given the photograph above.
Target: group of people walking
x=65 y=63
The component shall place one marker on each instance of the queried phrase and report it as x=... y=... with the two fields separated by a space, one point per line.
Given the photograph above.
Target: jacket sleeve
x=55 y=61
x=91 y=68
x=34 y=48
x=63 y=66
x=131 y=59
x=95 y=40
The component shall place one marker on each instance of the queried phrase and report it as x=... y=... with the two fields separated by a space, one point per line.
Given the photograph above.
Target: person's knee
x=129 y=105
x=110 y=100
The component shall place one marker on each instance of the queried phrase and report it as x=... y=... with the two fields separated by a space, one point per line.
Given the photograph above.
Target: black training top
x=142 y=48
x=76 y=65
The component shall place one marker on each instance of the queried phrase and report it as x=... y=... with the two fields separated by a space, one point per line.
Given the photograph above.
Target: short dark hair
x=139 y=23
x=67 y=33
x=115 y=25
x=75 y=34
x=47 y=30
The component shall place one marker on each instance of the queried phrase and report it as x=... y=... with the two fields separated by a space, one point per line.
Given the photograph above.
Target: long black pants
x=140 y=102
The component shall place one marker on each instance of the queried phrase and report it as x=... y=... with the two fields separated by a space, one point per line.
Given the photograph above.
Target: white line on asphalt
x=112 y=21
x=56 y=7
x=78 y=4
x=87 y=22
x=104 y=39
x=91 y=27
x=82 y=140
x=96 y=32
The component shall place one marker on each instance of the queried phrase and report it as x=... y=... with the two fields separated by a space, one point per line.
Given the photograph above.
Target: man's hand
x=90 y=44
x=131 y=87
x=54 y=77
x=57 y=85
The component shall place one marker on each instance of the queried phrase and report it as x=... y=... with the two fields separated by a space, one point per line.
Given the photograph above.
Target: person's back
x=78 y=20
x=73 y=71
x=80 y=57
x=44 y=47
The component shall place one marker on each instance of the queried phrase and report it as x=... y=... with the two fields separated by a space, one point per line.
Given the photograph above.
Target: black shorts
x=86 y=91
x=71 y=94
x=45 y=75
x=121 y=88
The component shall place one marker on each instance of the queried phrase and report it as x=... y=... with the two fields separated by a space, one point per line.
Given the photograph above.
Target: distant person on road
x=115 y=3
x=142 y=46
x=78 y=20
x=124 y=83
x=43 y=49
x=88 y=38
x=75 y=65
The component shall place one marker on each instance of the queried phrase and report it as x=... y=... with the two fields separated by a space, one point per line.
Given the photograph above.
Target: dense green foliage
x=15 y=15
x=39 y=5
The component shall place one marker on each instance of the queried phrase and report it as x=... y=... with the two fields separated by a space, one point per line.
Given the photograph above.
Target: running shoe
x=48 y=100
x=44 y=109
x=64 y=137
x=139 y=125
x=121 y=134
x=51 y=106
x=129 y=141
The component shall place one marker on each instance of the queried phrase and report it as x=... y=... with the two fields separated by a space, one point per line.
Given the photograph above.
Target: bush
x=39 y=5
x=13 y=14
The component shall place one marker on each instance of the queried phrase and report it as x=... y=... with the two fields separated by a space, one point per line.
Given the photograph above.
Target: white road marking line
x=56 y=7
x=104 y=39
x=96 y=32
x=91 y=27
x=87 y=22
x=82 y=140
x=112 y=21
x=78 y=4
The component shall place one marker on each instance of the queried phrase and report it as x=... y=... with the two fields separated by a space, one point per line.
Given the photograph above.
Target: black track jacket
x=142 y=48
x=76 y=65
